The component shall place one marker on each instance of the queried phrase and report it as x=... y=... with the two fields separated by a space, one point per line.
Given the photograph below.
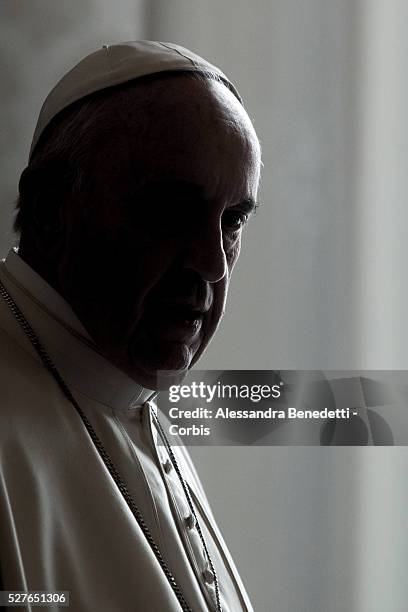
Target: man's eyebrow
x=248 y=206
x=181 y=188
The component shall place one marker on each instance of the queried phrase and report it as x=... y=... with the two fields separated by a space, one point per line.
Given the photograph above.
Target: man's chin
x=159 y=369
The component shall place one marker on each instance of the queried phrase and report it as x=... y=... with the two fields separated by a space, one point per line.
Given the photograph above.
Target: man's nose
x=206 y=255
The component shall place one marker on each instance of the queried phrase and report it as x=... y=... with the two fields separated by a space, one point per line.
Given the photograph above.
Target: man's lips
x=175 y=321
x=192 y=305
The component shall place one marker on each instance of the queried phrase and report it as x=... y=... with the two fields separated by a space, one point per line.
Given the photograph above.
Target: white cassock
x=64 y=525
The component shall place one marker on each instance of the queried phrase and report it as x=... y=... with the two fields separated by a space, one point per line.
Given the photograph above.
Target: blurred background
x=321 y=280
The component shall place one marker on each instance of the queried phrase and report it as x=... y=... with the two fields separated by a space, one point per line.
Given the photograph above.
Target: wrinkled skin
x=147 y=250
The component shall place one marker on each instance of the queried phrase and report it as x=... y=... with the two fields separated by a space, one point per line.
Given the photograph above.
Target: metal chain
x=49 y=365
x=187 y=494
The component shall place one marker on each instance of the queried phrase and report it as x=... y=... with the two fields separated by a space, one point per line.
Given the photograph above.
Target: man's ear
x=43 y=194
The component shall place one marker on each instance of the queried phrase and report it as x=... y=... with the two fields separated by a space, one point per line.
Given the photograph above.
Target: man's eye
x=233 y=220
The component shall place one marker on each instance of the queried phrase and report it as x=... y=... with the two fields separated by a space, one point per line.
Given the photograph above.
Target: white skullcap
x=115 y=64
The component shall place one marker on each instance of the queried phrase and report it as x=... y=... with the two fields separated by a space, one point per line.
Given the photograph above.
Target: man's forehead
x=186 y=108
x=179 y=94
x=172 y=114
x=167 y=113
x=189 y=135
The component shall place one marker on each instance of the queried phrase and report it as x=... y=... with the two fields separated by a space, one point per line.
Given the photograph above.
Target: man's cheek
x=220 y=298
x=232 y=251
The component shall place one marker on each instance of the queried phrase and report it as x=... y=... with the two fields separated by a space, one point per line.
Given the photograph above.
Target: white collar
x=66 y=339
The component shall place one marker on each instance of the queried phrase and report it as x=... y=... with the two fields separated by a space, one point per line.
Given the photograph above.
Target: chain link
x=187 y=494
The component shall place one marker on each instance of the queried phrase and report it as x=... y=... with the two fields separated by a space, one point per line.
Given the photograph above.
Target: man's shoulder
x=15 y=348
x=23 y=378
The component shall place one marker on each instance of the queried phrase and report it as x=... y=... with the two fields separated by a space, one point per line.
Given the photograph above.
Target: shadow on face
x=173 y=180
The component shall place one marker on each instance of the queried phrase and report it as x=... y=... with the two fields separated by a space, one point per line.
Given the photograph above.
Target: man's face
x=151 y=244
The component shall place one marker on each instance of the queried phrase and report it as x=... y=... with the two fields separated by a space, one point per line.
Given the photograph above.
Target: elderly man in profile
x=144 y=168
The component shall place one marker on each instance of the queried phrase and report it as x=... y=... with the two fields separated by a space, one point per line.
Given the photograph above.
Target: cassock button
x=190 y=521
x=167 y=466
x=208 y=576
